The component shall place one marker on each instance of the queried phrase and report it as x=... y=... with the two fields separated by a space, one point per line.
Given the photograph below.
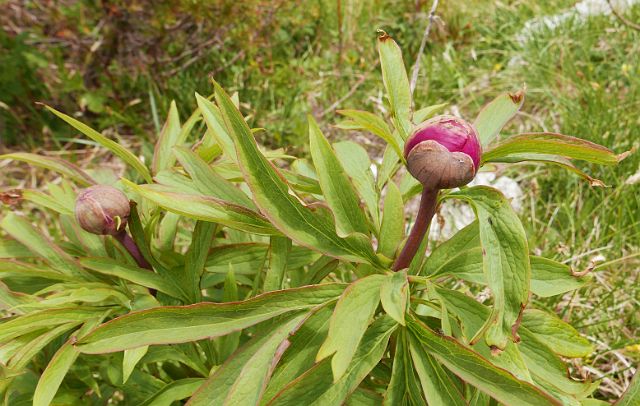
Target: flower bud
x=102 y=210
x=443 y=152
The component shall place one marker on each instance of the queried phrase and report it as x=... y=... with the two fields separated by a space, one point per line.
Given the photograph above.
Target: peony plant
x=222 y=273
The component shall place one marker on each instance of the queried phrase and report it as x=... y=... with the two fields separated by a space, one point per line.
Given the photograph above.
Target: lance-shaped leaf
x=426 y=113
x=476 y=370
x=301 y=354
x=130 y=360
x=531 y=359
x=392 y=228
x=244 y=377
x=59 y=365
x=208 y=181
x=561 y=337
x=505 y=261
x=174 y=391
x=336 y=186
x=120 y=151
x=140 y=276
x=404 y=386
x=461 y=256
x=394 y=295
x=437 y=385
x=46 y=318
x=58 y=165
x=553 y=144
x=178 y=324
x=349 y=322
x=271 y=194
x=394 y=77
x=205 y=208
x=357 y=165
x=163 y=154
x=216 y=126
x=375 y=125
x=23 y=231
x=496 y=114
x=316 y=386
x=548 y=159
x=278 y=255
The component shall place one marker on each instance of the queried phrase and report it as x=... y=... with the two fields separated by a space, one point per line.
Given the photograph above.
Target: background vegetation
x=118 y=64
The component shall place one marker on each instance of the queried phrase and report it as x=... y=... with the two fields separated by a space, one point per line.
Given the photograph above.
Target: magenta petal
x=453 y=133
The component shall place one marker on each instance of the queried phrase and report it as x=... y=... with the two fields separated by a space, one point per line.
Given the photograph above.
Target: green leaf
x=174 y=391
x=44 y=200
x=243 y=378
x=46 y=318
x=550 y=159
x=506 y=263
x=388 y=167
x=205 y=208
x=547 y=367
x=461 y=256
x=426 y=113
x=58 y=165
x=394 y=77
x=375 y=125
x=350 y=319
x=632 y=394
x=554 y=144
x=437 y=385
x=21 y=358
x=301 y=354
x=13 y=249
x=33 y=238
x=59 y=365
x=394 y=295
x=130 y=360
x=169 y=325
x=196 y=258
x=316 y=387
x=477 y=371
x=336 y=186
x=550 y=278
x=169 y=136
x=278 y=256
x=216 y=125
x=392 y=228
x=356 y=163
x=208 y=182
x=403 y=387
x=561 y=337
x=271 y=194
x=113 y=146
x=140 y=276
x=496 y=114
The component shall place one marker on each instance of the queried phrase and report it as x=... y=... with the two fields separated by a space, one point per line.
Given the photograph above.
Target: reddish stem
x=130 y=245
x=428 y=204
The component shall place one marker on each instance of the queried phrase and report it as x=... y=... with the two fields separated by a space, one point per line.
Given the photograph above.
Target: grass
x=582 y=79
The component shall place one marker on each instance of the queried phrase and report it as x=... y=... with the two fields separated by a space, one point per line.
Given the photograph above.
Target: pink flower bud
x=443 y=152
x=102 y=210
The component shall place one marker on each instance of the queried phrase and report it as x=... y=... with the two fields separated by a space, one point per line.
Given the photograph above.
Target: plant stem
x=130 y=245
x=428 y=203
